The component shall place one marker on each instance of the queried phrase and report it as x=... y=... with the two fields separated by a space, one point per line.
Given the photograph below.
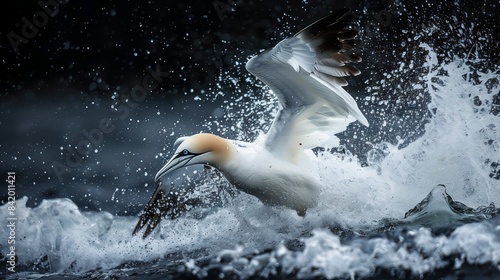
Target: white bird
x=305 y=72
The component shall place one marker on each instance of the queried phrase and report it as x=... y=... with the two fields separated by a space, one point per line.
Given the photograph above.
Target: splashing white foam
x=459 y=142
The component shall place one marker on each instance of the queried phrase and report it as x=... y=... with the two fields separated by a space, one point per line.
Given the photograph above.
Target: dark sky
x=62 y=81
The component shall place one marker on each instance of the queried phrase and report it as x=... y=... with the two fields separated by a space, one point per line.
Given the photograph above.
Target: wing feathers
x=338 y=71
x=347 y=34
x=336 y=81
x=153 y=212
x=306 y=72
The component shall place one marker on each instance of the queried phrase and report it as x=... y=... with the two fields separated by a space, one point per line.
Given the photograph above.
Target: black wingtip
x=152 y=213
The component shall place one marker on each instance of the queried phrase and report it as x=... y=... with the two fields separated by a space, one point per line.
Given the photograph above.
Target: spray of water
x=460 y=149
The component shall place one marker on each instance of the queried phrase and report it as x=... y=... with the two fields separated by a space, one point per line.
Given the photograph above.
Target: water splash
x=341 y=236
x=58 y=237
x=438 y=207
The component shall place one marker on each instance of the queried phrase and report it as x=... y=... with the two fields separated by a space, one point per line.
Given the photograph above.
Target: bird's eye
x=185 y=152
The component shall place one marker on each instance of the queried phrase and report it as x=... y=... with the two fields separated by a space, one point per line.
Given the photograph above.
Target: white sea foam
x=460 y=141
x=326 y=255
x=454 y=150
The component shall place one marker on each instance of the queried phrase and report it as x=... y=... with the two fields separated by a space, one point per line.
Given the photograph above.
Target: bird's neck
x=234 y=155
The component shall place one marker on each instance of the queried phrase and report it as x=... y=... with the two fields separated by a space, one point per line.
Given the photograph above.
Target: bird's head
x=200 y=148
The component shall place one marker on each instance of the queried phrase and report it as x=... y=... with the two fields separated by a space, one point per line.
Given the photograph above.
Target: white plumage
x=306 y=73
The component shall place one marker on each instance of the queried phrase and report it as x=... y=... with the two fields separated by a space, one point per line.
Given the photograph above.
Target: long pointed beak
x=174 y=163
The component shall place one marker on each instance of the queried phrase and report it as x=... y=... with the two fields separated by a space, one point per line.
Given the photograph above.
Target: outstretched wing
x=306 y=73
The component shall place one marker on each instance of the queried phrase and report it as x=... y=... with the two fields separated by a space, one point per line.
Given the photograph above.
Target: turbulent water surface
x=420 y=203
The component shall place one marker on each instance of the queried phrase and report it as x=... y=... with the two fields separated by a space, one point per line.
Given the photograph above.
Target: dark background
x=92 y=53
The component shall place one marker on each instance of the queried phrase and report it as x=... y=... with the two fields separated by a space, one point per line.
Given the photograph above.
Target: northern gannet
x=305 y=72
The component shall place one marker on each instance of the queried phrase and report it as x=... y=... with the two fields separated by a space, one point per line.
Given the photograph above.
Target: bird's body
x=306 y=73
x=256 y=171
